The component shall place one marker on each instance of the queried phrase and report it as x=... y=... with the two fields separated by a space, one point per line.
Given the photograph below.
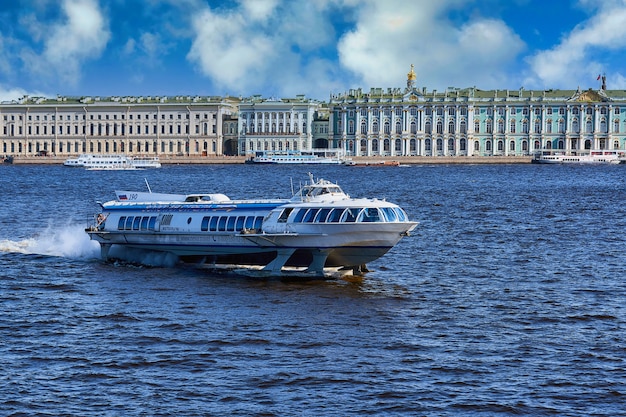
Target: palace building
x=276 y=124
x=407 y=121
x=473 y=122
x=190 y=126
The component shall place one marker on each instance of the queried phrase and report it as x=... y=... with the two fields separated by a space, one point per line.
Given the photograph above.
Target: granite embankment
x=240 y=159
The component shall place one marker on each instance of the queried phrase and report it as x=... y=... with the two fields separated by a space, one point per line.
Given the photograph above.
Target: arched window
x=363 y=128
x=451 y=126
x=413 y=127
x=512 y=126
x=500 y=126
x=439 y=126
x=463 y=127
x=616 y=126
x=537 y=126
x=398 y=127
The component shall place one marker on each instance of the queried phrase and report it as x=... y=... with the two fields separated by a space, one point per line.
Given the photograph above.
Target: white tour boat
x=324 y=156
x=319 y=227
x=596 y=156
x=112 y=162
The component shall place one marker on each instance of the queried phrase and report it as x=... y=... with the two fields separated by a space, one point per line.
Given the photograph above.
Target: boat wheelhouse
x=319 y=227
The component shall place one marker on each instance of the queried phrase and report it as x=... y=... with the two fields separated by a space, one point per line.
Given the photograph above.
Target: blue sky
x=280 y=48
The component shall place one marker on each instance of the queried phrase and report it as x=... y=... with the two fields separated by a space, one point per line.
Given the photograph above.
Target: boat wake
x=69 y=241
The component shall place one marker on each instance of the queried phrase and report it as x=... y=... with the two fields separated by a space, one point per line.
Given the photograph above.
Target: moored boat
x=594 y=156
x=320 y=227
x=112 y=162
x=297 y=157
x=361 y=163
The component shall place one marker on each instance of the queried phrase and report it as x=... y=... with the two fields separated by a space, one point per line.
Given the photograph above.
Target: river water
x=509 y=299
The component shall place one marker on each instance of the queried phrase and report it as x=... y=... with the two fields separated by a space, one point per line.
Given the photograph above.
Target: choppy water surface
x=509 y=299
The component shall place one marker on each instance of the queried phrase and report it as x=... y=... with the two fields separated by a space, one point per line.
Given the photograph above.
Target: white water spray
x=68 y=241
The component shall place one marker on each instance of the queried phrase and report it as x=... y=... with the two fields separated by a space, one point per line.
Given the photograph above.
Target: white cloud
x=579 y=55
x=262 y=45
x=81 y=36
x=14 y=93
x=390 y=36
x=227 y=51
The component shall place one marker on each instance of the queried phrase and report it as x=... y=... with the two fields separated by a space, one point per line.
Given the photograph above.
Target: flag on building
x=598 y=77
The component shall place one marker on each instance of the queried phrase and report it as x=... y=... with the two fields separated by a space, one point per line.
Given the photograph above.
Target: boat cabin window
x=284 y=215
x=389 y=214
x=321 y=215
x=369 y=215
x=204 y=225
x=350 y=215
x=310 y=215
x=137 y=223
x=249 y=222
x=221 y=224
x=229 y=223
x=335 y=215
x=299 y=216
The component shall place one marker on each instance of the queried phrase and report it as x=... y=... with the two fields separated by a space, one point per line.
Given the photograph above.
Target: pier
x=405 y=160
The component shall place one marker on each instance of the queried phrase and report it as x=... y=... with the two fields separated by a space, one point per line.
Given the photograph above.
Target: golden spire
x=411 y=75
x=410 y=79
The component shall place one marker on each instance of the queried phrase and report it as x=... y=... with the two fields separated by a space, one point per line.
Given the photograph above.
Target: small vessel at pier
x=297 y=157
x=594 y=156
x=112 y=162
x=319 y=227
